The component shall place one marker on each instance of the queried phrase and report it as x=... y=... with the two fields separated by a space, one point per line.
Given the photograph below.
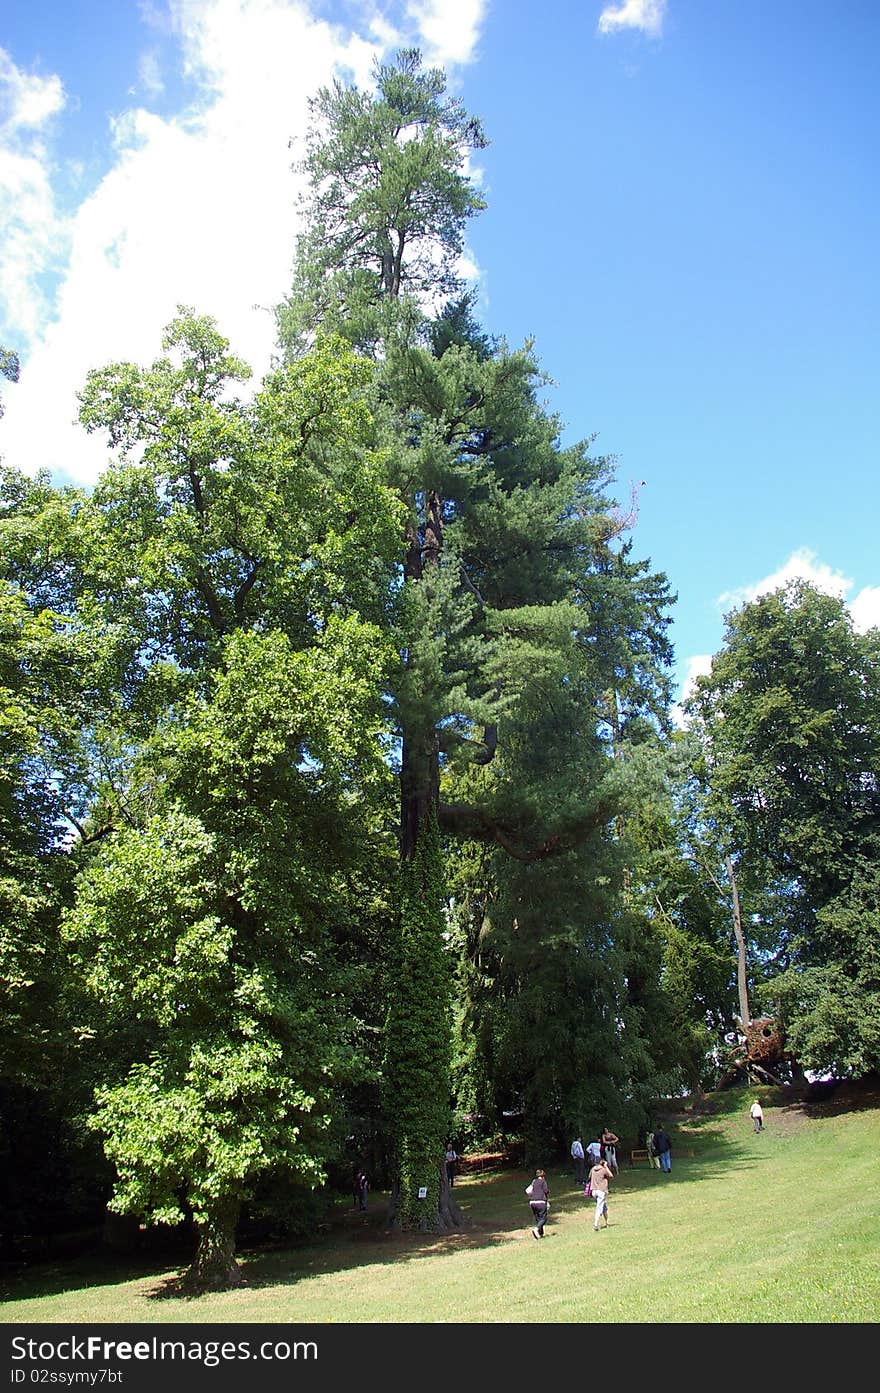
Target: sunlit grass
x=779 y=1227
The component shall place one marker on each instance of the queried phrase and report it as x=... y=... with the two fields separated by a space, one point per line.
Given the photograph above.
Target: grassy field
x=779 y=1227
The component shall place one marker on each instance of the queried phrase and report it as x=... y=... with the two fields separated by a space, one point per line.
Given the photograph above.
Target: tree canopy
x=340 y=798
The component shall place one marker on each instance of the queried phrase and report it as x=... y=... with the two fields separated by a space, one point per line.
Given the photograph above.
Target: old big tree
x=504 y=637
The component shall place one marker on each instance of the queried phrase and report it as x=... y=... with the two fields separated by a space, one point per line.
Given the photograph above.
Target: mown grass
x=779 y=1227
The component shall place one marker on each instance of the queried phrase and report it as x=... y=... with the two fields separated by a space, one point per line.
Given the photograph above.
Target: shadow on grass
x=496 y=1211
x=80 y=1274
x=494 y=1204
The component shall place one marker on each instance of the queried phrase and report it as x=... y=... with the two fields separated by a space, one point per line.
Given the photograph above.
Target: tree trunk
x=419 y=787
x=441 y=1216
x=435 y=1211
x=419 y=768
x=449 y=1213
x=214 y=1267
x=741 y=972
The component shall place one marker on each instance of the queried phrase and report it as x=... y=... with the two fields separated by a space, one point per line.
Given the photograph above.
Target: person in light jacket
x=600 y=1177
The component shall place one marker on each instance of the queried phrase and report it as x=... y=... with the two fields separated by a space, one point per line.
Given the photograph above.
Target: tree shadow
x=496 y=1211
x=495 y=1207
x=27 y=1282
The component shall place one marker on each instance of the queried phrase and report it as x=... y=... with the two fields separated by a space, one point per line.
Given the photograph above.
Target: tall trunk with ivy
x=418 y=1042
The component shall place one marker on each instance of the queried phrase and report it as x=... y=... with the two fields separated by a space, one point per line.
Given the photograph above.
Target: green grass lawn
x=779 y=1227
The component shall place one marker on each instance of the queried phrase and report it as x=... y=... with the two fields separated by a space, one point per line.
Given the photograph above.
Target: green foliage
x=236 y=514
x=9 y=367
x=789 y=721
x=532 y=645
x=832 y=1004
x=243 y=566
x=41 y=763
x=211 y=926
x=381 y=564
x=388 y=200
x=681 y=893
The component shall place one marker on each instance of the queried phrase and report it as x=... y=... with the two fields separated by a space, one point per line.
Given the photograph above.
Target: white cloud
x=865 y=609
x=150 y=73
x=803 y=564
x=27 y=101
x=697 y=666
x=34 y=234
x=198 y=208
x=647 y=15
x=449 y=28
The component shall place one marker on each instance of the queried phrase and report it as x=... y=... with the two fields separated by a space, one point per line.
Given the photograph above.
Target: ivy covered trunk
x=214 y=1267
x=418 y=1044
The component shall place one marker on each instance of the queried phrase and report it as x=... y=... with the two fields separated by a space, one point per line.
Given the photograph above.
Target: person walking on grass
x=663 y=1149
x=539 y=1202
x=577 y=1155
x=756 y=1112
x=600 y=1177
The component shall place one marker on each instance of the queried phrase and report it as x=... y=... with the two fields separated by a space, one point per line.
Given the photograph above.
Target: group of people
x=596 y=1187
x=601 y=1155
x=603 y=1147
x=594 y=1168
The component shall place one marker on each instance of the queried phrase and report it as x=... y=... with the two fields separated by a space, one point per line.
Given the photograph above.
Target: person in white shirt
x=594 y=1150
x=577 y=1155
x=756 y=1113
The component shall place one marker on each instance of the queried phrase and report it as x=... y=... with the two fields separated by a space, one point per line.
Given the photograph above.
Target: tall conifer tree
x=502 y=524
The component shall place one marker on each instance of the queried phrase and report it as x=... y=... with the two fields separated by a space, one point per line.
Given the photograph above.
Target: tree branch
x=477 y=824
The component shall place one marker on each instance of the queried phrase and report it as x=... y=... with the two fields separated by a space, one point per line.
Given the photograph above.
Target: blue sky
x=683 y=213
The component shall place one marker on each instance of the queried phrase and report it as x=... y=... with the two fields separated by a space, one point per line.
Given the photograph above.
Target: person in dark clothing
x=663 y=1149
x=610 y=1141
x=539 y=1202
x=363 y=1185
x=451 y=1161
